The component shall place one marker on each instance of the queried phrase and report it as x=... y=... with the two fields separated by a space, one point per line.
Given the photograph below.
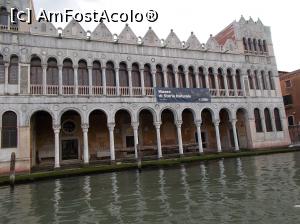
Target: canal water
x=262 y=189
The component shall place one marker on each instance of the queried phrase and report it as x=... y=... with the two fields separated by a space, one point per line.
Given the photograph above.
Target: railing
x=111 y=90
x=124 y=91
x=222 y=92
x=36 y=89
x=3 y=27
x=231 y=92
x=240 y=92
x=68 y=90
x=52 y=89
x=97 y=90
x=213 y=92
x=83 y=90
x=149 y=91
x=137 y=91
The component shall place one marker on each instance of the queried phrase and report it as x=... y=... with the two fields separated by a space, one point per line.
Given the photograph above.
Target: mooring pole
x=139 y=159
x=12 y=174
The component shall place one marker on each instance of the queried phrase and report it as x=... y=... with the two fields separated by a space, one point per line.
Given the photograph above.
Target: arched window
x=110 y=74
x=15 y=19
x=211 y=78
x=265 y=46
x=3 y=17
x=238 y=79
x=171 y=77
x=271 y=80
x=83 y=74
x=254 y=45
x=192 y=77
x=202 y=78
x=52 y=72
x=36 y=71
x=181 y=77
x=268 y=120
x=2 y=69
x=136 y=75
x=245 y=44
x=68 y=73
x=9 y=130
x=263 y=80
x=96 y=74
x=221 y=79
x=13 y=72
x=260 y=46
x=147 y=76
x=250 y=80
x=250 y=44
x=230 y=79
x=277 y=119
x=123 y=75
x=159 y=76
x=257 y=118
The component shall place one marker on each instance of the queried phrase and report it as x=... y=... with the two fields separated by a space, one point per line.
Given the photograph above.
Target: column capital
x=60 y=66
x=56 y=128
x=85 y=127
x=6 y=64
x=198 y=123
x=75 y=66
x=233 y=121
x=216 y=122
x=103 y=67
x=44 y=66
x=142 y=70
x=135 y=125
x=178 y=123
x=157 y=124
x=90 y=67
x=111 y=126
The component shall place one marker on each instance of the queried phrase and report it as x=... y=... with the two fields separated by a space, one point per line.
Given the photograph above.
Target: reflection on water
x=263 y=189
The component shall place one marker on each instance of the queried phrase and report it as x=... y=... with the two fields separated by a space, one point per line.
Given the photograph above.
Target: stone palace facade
x=68 y=95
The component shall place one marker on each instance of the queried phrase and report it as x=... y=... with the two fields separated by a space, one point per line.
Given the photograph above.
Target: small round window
x=69 y=127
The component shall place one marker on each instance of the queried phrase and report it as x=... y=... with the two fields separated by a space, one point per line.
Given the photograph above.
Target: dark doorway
x=69 y=149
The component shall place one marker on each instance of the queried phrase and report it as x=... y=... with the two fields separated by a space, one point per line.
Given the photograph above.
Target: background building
x=290 y=83
x=69 y=97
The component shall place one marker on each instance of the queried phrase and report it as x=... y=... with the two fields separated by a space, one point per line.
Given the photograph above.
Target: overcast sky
x=203 y=18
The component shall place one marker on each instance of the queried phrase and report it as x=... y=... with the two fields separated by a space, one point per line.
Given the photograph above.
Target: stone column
x=60 y=80
x=56 y=129
x=165 y=79
x=157 y=127
x=90 y=69
x=85 y=128
x=216 y=123
x=206 y=80
x=153 y=73
x=75 y=67
x=44 y=67
x=197 y=80
x=273 y=123
x=217 y=84
x=234 y=84
x=135 y=127
x=179 y=136
x=263 y=121
x=117 y=81
x=236 y=142
x=242 y=78
x=111 y=127
x=104 y=80
x=176 y=79
x=225 y=84
x=187 y=80
x=142 y=81
x=6 y=77
x=130 y=81
x=200 y=146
